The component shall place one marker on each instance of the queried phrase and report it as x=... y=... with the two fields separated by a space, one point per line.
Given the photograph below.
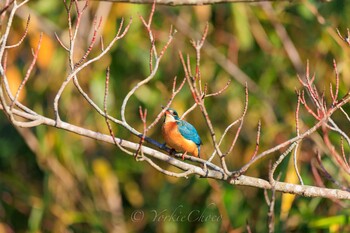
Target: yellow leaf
x=133 y=194
x=14 y=79
x=287 y=198
x=108 y=183
x=101 y=168
x=46 y=52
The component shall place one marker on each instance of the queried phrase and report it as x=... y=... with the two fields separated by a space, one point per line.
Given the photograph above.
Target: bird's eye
x=174 y=113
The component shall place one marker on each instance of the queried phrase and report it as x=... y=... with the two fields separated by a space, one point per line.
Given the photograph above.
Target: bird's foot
x=183 y=155
x=172 y=151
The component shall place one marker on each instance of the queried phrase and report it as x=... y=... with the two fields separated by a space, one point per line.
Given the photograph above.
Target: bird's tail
x=202 y=154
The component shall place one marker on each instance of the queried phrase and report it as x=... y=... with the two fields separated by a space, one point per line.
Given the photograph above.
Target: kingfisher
x=180 y=135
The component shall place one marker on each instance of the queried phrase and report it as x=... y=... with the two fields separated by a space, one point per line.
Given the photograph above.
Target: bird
x=180 y=135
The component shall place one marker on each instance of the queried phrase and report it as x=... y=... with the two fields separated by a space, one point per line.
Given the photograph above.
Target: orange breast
x=175 y=140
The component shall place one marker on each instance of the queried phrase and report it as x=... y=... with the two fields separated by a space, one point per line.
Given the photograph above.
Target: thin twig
x=241 y=120
x=61 y=42
x=29 y=71
x=279 y=161
x=174 y=93
x=93 y=40
x=295 y=163
x=6 y=7
x=166 y=172
x=335 y=96
x=85 y=64
x=257 y=140
x=23 y=37
x=149 y=78
x=105 y=99
x=219 y=91
x=343 y=152
x=347 y=38
x=328 y=176
x=143 y=116
x=297 y=129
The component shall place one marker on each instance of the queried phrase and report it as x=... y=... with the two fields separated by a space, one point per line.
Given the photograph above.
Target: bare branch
x=217 y=173
x=106 y=115
x=329 y=176
x=347 y=38
x=6 y=7
x=61 y=43
x=189 y=110
x=297 y=128
x=174 y=93
x=335 y=96
x=5 y=36
x=188 y=2
x=295 y=163
x=143 y=116
x=257 y=140
x=147 y=25
x=271 y=205
x=26 y=77
x=334 y=153
x=279 y=161
x=343 y=153
x=78 y=69
x=152 y=74
x=166 y=172
x=219 y=91
x=193 y=166
x=23 y=37
x=93 y=40
x=288 y=142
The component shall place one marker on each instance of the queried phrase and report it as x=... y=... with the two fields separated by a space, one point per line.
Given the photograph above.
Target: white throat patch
x=169 y=118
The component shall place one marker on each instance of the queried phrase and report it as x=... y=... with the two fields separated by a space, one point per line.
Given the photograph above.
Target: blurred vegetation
x=56 y=181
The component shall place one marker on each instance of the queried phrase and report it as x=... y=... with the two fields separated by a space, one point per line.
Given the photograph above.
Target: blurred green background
x=56 y=181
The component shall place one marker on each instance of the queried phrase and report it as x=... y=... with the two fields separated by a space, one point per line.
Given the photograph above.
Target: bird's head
x=171 y=115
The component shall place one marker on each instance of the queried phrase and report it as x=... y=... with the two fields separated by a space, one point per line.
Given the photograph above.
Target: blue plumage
x=189 y=132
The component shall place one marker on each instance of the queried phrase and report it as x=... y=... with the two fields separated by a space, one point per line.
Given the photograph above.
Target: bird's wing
x=189 y=132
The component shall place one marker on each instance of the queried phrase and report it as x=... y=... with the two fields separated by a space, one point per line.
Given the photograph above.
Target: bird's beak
x=166 y=112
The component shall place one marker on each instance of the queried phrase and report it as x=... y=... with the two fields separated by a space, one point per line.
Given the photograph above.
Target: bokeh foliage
x=55 y=181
